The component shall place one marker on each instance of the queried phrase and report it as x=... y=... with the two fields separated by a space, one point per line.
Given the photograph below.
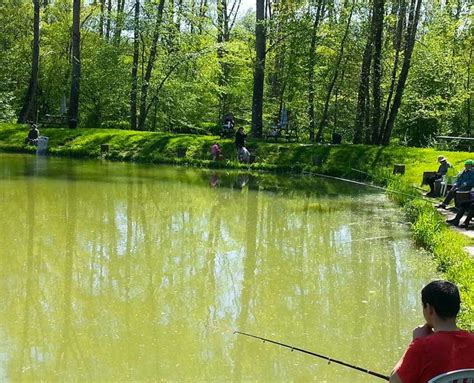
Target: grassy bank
x=360 y=162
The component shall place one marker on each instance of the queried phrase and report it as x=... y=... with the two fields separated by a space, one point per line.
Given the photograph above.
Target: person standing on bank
x=438 y=346
x=240 y=137
x=464 y=182
x=242 y=153
x=444 y=165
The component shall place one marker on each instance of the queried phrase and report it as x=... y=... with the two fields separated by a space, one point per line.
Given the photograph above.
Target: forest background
x=375 y=71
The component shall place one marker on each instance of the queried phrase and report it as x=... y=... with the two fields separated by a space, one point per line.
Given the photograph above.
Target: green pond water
x=124 y=272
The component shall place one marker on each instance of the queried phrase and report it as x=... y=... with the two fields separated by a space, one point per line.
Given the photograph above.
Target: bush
x=7 y=112
x=115 y=125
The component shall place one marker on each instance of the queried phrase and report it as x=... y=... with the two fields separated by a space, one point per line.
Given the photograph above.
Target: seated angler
x=464 y=182
x=33 y=135
x=467 y=206
x=444 y=165
x=438 y=346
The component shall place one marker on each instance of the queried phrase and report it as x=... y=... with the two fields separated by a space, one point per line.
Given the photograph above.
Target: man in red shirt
x=438 y=346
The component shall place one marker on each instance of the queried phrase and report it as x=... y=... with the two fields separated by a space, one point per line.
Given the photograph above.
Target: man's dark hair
x=443 y=296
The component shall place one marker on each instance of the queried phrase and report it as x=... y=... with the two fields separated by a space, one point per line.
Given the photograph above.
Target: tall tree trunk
x=222 y=38
x=414 y=16
x=311 y=64
x=202 y=14
x=277 y=79
x=193 y=12
x=324 y=117
x=101 y=18
x=360 y=126
x=377 y=24
x=76 y=64
x=469 y=98
x=367 y=133
x=150 y=66
x=398 y=45
x=259 y=70
x=109 y=20
x=136 y=54
x=26 y=111
x=226 y=14
x=119 y=22
x=179 y=14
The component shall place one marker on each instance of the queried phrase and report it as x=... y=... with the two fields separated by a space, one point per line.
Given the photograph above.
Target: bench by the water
x=283 y=129
x=467 y=142
x=55 y=120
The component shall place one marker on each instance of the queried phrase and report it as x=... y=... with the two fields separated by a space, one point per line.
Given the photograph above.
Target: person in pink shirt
x=216 y=151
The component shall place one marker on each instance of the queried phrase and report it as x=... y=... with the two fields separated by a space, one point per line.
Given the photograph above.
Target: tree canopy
x=370 y=71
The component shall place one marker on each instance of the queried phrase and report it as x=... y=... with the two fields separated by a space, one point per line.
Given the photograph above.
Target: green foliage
x=436 y=95
x=7 y=113
x=105 y=78
x=195 y=79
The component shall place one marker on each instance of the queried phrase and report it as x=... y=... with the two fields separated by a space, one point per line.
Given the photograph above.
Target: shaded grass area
x=361 y=162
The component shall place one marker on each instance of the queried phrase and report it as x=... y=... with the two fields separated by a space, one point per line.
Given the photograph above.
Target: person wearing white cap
x=444 y=165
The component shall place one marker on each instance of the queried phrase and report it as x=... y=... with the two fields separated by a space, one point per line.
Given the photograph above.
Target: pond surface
x=123 y=272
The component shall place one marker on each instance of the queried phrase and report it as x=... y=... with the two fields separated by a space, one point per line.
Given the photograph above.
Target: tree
x=397 y=46
x=320 y=9
x=119 y=21
x=136 y=53
x=414 y=15
x=27 y=111
x=469 y=97
x=150 y=65
x=76 y=65
x=377 y=32
x=337 y=66
x=226 y=16
x=361 y=125
x=259 y=70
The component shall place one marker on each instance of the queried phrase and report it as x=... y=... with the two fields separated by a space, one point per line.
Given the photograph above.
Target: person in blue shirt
x=464 y=182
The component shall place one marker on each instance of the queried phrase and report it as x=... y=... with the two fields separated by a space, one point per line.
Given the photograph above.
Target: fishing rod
x=385 y=178
x=373 y=186
x=292 y=348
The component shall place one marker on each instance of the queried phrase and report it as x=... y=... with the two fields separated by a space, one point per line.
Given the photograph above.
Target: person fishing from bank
x=464 y=182
x=443 y=168
x=463 y=208
x=240 y=137
x=33 y=135
x=242 y=152
x=438 y=346
x=216 y=152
